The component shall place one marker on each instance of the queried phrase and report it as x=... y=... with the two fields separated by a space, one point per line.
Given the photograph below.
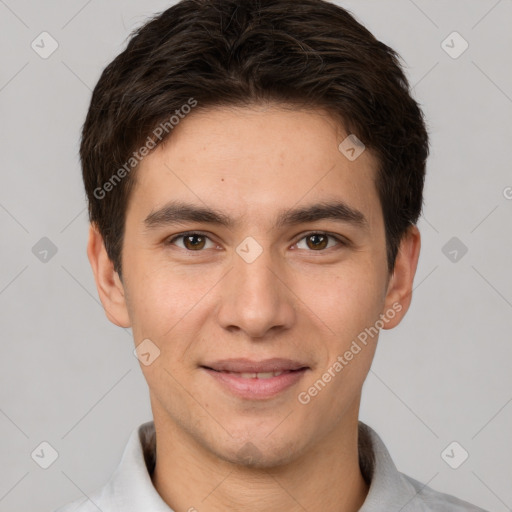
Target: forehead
x=252 y=162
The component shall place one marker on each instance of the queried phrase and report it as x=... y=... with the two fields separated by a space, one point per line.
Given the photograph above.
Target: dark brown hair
x=208 y=53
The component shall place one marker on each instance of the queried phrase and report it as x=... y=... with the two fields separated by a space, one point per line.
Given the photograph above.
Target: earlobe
x=110 y=287
x=399 y=291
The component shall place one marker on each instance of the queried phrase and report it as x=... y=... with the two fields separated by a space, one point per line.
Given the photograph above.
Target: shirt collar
x=131 y=488
x=389 y=489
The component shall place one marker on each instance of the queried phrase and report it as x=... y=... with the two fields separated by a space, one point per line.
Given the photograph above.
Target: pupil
x=317 y=244
x=196 y=244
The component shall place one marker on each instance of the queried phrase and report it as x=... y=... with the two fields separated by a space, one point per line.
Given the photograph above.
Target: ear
x=399 y=291
x=110 y=288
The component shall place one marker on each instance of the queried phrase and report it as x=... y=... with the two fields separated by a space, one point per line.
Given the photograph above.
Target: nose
x=256 y=299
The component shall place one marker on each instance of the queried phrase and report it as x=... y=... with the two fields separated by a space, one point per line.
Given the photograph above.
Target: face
x=269 y=280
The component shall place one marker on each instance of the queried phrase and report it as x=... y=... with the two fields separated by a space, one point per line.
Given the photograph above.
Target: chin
x=260 y=454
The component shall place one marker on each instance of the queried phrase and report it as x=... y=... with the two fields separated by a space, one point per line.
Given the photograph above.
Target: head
x=232 y=118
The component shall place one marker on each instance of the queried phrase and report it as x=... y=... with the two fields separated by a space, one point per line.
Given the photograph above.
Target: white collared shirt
x=130 y=488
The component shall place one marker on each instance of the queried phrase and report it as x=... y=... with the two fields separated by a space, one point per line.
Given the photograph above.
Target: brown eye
x=317 y=241
x=194 y=242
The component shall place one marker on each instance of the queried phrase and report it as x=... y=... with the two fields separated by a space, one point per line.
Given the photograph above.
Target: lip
x=242 y=365
x=228 y=374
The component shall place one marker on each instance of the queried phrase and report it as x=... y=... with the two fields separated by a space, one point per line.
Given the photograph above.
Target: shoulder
x=391 y=489
x=101 y=499
x=429 y=500
x=80 y=505
x=129 y=487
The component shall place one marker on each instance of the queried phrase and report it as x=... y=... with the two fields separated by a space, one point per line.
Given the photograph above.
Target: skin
x=294 y=301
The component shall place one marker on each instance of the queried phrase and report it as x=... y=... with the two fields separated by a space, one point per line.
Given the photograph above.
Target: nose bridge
x=257 y=278
x=255 y=299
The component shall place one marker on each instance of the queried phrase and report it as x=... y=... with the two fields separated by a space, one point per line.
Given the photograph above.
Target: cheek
x=163 y=301
x=346 y=299
x=349 y=303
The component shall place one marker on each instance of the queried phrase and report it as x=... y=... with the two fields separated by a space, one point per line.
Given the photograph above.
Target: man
x=254 y=171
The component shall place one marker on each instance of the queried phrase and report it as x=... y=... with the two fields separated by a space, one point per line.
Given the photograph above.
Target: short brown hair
x=309 y=53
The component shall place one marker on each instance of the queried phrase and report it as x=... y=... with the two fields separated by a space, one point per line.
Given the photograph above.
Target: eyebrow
x=177 y=212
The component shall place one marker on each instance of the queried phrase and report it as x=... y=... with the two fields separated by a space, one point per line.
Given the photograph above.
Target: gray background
x=69 y=377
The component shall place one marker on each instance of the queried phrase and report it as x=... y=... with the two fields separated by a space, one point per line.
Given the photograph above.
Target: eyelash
x=340 y=241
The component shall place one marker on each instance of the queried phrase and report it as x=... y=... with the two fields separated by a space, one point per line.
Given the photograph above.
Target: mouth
x=255 y=375
x=247 y=366
x=256 y=380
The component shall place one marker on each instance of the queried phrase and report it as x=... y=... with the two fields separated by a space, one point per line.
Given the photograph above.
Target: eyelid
x=170 y=240
x=340 y=239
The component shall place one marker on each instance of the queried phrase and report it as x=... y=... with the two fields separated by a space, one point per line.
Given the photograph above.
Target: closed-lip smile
x=256 y=380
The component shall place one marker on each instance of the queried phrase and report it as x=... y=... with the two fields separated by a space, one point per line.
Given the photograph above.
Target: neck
x=327 y=477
